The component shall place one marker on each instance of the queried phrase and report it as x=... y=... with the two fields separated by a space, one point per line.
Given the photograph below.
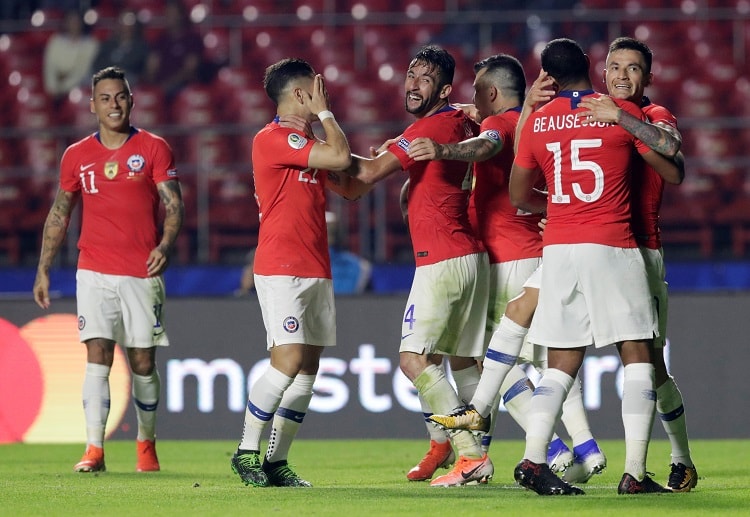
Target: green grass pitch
x=350 y=478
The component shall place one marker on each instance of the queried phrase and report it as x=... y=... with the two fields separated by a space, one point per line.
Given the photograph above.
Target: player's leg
x=533 y=472
x=669 y=404
x=638 y=407
x=99 y=315
x=146 y=392
x=439 y=455
x=96 y=402
x=142 y=300
x=287 y=420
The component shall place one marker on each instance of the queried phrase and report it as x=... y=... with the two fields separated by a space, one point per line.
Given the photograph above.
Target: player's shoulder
x=629 y=106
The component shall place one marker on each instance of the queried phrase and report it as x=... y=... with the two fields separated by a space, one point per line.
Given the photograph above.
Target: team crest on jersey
x=296 y=141
x=81 y=322
x=136 y=162
x=291 y=324
x=110 y=170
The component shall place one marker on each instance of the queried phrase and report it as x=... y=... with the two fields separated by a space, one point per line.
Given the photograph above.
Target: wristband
x=324 y=115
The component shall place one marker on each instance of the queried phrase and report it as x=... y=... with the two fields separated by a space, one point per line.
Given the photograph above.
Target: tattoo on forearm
x=654 y=137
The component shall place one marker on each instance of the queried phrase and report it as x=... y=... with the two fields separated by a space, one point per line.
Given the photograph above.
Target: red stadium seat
x=12 y=206
x=736 y=214
x=687 y=214
x=233 y=216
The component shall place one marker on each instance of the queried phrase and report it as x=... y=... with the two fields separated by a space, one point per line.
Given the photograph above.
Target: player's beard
x=422 y=108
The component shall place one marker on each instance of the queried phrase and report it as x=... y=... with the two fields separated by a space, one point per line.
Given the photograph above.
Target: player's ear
x=604 y=76
x=91 y=105
x=648 y=79
x=445 y=91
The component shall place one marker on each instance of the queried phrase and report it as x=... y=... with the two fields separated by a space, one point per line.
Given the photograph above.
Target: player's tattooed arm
x=475 y=149
x=53 y=235
x=171 y=197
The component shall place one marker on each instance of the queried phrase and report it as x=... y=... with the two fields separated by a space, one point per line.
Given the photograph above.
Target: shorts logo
x=291 y=324
x=296 y=141
x=81 y=322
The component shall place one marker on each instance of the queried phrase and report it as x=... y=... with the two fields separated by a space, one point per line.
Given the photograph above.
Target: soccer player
x=292 y=268
x=594 y=289
x=120 y=173
x=447 y=303
x=627 y=74
x=512 y=240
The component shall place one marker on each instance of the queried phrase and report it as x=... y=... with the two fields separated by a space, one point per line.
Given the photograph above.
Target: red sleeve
x=524 y=157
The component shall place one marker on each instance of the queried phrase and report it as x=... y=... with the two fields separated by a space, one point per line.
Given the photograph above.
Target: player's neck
x=114 y=139
x=582 y=84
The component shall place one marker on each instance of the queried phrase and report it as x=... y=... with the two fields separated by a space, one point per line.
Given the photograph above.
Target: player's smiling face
x=111 y=102
x=422 y=89
x=625 y=75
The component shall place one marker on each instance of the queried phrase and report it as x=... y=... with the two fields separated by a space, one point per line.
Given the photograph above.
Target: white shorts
x=592 y=294
x=297 y=310
x=657 y=285
x=507 y=280
x=447 y=308
x=125 y=309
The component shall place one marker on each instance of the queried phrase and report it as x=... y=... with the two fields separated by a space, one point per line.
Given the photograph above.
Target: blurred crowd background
x=196 y=69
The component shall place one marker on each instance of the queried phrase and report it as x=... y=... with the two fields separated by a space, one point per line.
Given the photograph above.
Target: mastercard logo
x=42 y=365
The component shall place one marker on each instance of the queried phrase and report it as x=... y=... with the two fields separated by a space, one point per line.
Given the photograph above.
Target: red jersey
x=120 y=203
x=507 y=233
x=438 y=190
x=292 y=239
x=648 y=186
x=587 y=170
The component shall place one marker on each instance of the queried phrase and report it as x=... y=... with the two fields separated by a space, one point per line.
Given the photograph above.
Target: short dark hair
x=278 y=76
x=111 y=72
x=565 y=61
x=626 y=43
x=506 y=73
x=437 y=57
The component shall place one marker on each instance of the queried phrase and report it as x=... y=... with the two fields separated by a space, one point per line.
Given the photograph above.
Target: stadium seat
x=736 y=214
x=12 y=205
x=233 y=216
x=687 y=214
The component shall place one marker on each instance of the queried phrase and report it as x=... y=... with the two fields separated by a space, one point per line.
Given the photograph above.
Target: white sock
x=545 y=409
x=574 y=416
x=466 y=382
x=638 y=405
x=262 y=403
x=436 y=433
x=501 y=356
x=671 y=411
x=288 y=417
x=146 y=389
x=440 y=396
x=517 y=395
x=96 y=402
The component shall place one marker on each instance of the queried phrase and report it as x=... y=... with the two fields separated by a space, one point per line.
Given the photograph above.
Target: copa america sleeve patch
x=403 y=143
x=296 y=141
x=490 y=134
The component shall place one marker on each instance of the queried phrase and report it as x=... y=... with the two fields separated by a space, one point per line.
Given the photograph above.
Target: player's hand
x=384 y=146
x=598 y=109
x=157 y=261
x=542 y=224
x=470 y=110
x=319 y=100
x=421 y=149
x=542 y=90
x=41 y=289
x=297 y=123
